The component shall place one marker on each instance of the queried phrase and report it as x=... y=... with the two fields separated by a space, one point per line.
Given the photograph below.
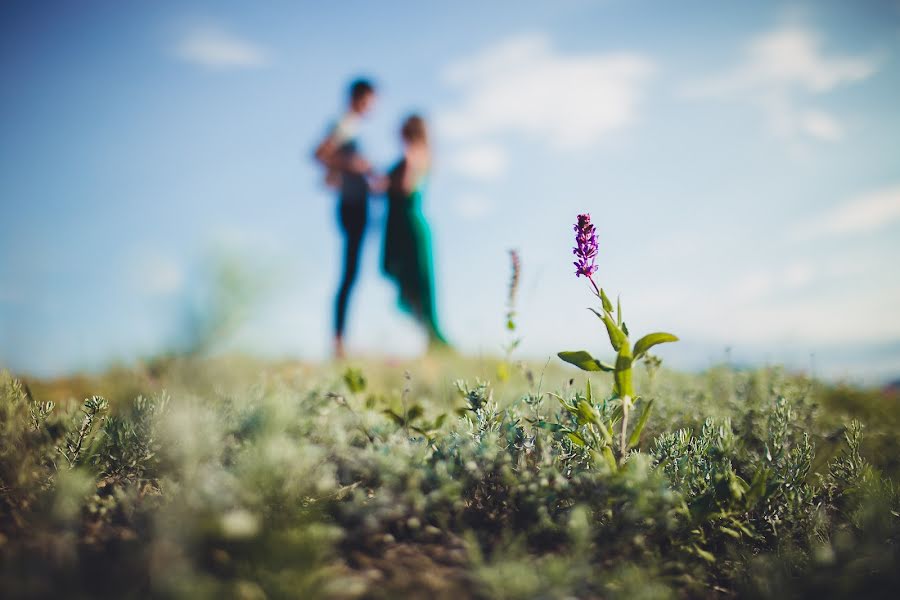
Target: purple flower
x=585 y=247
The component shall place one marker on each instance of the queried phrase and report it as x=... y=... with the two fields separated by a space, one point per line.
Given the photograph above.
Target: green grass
x=236 y=478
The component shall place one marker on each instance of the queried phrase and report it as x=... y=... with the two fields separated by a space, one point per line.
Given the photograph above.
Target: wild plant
x=132 y=441
x=512 y=294
x=77 y=441
x=627 y=355
x=481 y=413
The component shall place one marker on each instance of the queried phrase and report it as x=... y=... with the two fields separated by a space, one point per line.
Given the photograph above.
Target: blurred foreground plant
x=277 y=486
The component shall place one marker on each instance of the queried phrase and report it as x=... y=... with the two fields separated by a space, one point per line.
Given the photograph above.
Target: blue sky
x=740 y=161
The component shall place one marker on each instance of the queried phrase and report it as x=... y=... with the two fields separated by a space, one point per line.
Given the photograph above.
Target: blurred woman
x=407 y=240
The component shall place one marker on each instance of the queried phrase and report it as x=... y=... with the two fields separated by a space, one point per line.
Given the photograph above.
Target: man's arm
x=327 y=155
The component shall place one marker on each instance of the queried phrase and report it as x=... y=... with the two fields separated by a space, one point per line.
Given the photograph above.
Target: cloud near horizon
x=864 y=213
x=218 y=49
x=524 y=86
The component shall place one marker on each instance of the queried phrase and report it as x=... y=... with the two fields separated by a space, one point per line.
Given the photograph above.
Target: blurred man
x=350 y=173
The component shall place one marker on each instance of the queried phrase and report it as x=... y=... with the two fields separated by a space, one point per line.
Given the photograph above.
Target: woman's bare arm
x=417 y=163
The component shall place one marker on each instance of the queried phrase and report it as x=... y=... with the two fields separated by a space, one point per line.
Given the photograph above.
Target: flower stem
x=596 y=289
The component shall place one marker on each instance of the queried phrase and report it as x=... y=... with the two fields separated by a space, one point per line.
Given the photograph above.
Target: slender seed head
x=514 y=276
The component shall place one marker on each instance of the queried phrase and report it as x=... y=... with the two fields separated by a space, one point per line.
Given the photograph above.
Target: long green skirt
x=407 y=261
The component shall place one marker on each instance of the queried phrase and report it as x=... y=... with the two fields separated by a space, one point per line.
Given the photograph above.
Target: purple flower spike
x=585 y=247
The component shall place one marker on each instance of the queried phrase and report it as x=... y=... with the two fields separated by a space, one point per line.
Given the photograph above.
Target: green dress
x=407 y=253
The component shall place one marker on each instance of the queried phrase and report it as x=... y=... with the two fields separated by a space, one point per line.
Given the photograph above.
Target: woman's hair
x=414 y=130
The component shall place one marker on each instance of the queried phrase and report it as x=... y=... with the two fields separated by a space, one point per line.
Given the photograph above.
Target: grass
x=235 y=478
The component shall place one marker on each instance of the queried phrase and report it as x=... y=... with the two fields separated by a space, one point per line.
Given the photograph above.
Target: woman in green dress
x=407 y=240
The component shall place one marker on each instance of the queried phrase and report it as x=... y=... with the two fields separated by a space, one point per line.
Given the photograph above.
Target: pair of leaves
x=584 y=361
x=573 y=435
x=355 y=380
x=411 y=415
x=585 y=413
x=428 y=429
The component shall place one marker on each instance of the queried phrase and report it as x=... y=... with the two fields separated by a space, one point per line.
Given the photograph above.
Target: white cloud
x=824 y=321
x=473 y=206
x=754 y=284
x=762 y=283
x=798 y=275
x=215 y=48
x=810 y=303
x=789 y=56
x=863 y=214
x=525 y=86
x=821 y=125
x=779 y=70
x=158 y=275
x=480 y=161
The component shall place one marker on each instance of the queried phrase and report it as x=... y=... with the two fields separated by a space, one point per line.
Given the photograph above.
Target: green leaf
x=355 y=380
x=576 y=439
x=742 y=528
x=394 y=417
x=619 y=310
x=569 y=407
x=757 y=487
x=622 y=375
x=615 y=416
x=584 y=361
x=440 y=420
x=651 y=339
x=414 y=412
x=617 y=337
x=610 y=459
x=705 y=555
x=587 y=413
x=642 y=420
x=549 y=426
x=737 y=486
x=607 y=305
x=606 y=431
x=728 y=531
x=588 y=395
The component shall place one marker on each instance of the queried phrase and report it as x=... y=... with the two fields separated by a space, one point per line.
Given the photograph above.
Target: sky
x=739 y=159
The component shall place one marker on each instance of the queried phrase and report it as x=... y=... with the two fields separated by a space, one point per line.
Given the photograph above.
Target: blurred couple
x=406 y=254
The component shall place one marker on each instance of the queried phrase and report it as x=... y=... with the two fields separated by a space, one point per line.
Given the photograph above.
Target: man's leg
x=353 y=224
